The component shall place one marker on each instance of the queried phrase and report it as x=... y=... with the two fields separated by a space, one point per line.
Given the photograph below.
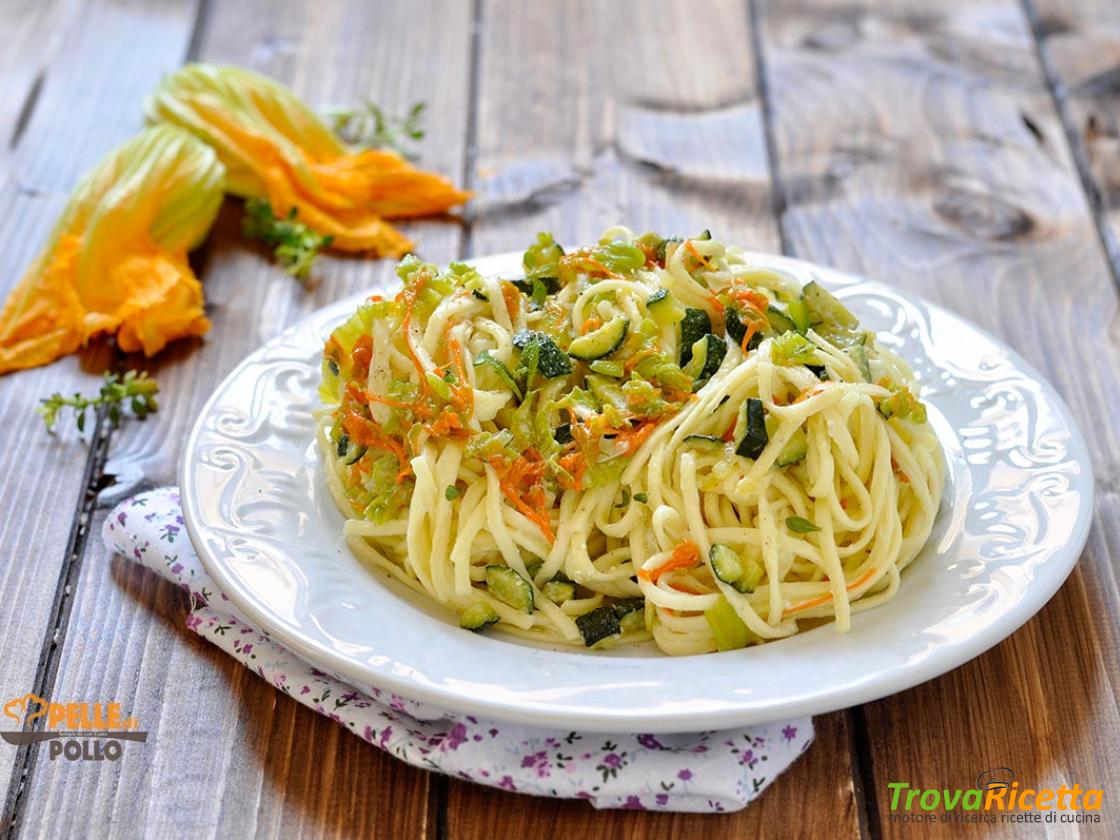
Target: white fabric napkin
x=705 y=772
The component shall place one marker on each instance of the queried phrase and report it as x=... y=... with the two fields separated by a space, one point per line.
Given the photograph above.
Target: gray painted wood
x=659 y=135
x=917 y=144
x=1080 y=43
x=229 y=755
x=920 y=145
x=86 y=103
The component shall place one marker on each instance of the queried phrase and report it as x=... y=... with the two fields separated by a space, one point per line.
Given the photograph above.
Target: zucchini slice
x=510 y=588
x=355 y=454
x=799 y=314
x=666 y=247
x=599 y=625
x=734 y=325
x=858 y=354
x=707 y=355
x=559 y=590
x=478 y=616
x=695 y=325
x=697 y=358
x=730 y=568
x=631 y=614
x=737 y=330
x=611 y=620
x=351 y=453
x=779 y=321
x=664 y=309
x=729 y=630
x=551 y=360
x=708 y=443
x=601 y=342
x=563 y=433
x=526 y=284
x=824 y=307
x=794 y=450
x=755 y=437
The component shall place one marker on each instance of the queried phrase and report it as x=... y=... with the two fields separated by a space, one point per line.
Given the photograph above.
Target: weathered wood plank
x=79 y=114
x=229 y=755
x=607 y=119
x=615 y=123
x=28 y=41
x=1080 y=43
x=920 y=145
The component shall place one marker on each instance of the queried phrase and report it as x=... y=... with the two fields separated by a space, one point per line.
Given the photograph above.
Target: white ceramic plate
x=1014 y=518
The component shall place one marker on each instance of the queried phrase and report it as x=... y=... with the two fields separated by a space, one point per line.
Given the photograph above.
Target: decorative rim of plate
x=1007 y=568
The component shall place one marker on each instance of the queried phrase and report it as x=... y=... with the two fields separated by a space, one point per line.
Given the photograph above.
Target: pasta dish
x=647 y=438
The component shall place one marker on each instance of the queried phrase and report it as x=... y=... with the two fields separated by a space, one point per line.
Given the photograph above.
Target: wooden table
x=967 y=151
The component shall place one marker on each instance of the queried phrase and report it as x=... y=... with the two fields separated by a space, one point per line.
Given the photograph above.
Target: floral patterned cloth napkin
x=705 y=772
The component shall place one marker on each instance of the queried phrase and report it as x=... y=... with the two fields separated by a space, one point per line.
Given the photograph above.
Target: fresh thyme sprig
x=136 y=388
x=294 y=244
x=368 y=125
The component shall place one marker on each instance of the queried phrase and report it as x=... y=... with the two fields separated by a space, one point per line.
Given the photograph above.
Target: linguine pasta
x=647 y=438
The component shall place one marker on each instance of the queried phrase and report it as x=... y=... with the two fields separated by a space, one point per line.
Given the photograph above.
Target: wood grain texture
x=1080 y=42
x=44 y=476
x=29 y=40
x=230 y=755
x=616 y=123
x=654 y=136
x=920 y=145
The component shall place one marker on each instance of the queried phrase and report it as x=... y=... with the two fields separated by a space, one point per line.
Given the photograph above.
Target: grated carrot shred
x=512 y=296
x=366 y=432
x=752 y=328
x=824 y=599
x=529 y=500
x=684 y=556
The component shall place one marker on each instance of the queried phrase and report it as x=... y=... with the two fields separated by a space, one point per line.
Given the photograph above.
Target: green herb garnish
x=800 y=525
x=136 y=388
x=294 y=244
x=451 y=493
x=368 y=125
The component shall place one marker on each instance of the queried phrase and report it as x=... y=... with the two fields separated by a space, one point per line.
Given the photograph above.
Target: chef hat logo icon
x=995 y=779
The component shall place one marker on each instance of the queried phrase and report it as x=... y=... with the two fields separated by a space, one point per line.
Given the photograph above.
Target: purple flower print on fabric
x=632 y=772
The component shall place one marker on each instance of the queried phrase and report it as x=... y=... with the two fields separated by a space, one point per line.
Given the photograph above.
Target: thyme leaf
x=134 y=390
x=294 y=244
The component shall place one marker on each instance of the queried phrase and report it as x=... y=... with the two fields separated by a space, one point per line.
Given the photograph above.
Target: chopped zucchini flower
x=903 y=404
x=275 y=147
x=116 y=261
